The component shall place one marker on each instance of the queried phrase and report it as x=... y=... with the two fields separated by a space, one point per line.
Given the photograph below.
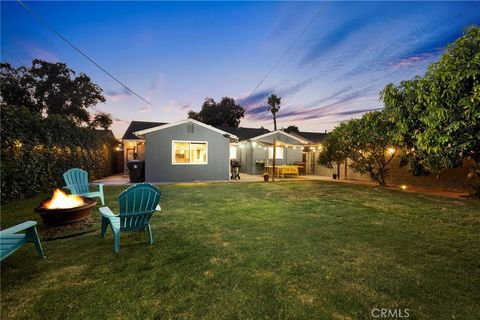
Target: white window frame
x=189 y=163
x=278 y=155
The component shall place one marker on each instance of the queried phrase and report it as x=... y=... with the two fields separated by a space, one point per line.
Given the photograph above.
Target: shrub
x=36 y=151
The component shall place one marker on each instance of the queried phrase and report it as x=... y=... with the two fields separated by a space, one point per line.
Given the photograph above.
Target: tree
x=437 y=116
x=335 y=148
x=49 y=88
x=370 y=145
x=274 y=106
x=102 y=120
x=292 y=129
x=226 y=113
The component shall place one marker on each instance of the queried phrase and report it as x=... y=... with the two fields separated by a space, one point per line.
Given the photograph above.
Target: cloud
x=117 y=95
x=118 y=120
x=412 y=60
x=38 y=52
x=147 y=108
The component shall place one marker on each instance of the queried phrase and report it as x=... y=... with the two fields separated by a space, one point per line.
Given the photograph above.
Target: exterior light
x=254 y=144
x=117 y=148
x=391 y=150
x=404 y=187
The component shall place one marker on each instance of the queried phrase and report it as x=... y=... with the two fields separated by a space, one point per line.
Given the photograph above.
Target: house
x=185 y=151
x=191 y=150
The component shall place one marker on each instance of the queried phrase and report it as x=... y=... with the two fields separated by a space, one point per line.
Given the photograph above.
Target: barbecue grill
x=235 y=169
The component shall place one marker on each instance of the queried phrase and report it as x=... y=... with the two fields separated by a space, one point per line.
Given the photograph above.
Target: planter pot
x=265 y=177
x=60 y=217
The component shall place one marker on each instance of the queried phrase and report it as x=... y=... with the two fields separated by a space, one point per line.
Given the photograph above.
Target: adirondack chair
x=137 y=204
x=77 y=182
x=11 y=239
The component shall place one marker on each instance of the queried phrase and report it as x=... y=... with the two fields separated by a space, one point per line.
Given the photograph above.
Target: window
x=233 y=152
x=278 y=153
x=189 y=152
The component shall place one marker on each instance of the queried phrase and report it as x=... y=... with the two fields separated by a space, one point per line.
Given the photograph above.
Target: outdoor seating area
x=246 y=248
x=283 y=171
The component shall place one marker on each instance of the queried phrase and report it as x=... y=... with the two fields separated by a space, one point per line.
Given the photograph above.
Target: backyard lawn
x=289 y=250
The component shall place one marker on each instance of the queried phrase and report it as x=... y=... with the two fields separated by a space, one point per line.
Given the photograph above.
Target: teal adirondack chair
x=11 y=239
x=77 y=182
x=137 y=204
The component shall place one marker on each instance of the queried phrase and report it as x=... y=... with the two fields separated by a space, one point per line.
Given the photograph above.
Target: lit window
x=278 y=153
x=187 y=152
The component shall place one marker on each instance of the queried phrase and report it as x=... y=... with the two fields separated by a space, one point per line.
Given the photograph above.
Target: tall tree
x=292 y=129
x=102 y=120
x=226 y=113
x=49 y=88
x=437 y=116
x=335 y=147
x=274 y=106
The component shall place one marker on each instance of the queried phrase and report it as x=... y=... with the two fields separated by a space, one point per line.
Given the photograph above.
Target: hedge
x=36 y=151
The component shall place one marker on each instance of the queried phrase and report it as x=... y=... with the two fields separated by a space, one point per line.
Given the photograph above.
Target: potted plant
x=265 y=177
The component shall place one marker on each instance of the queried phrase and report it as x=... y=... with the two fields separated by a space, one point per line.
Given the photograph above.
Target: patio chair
x=137 y=204
x=77 y=182
x=11 y=239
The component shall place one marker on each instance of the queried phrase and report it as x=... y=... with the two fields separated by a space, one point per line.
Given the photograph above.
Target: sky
x=331 y=59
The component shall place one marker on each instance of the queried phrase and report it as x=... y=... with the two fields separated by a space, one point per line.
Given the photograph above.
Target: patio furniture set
x=137 y=205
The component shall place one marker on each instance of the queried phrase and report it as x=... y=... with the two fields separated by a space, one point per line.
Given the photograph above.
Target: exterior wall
x=158 y=155
x=452 y=179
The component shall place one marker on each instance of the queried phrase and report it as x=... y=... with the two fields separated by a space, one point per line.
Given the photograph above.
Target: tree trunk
x=345 y=175
x=273 y=160
x=274 y=124
x=338 y=170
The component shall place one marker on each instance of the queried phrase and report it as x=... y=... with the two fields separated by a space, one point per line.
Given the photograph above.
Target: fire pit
x=63 y=209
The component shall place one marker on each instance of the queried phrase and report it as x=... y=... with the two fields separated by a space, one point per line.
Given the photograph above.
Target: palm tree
x=274 y=107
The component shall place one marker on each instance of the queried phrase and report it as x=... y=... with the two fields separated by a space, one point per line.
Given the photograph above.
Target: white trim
x=189 y=163
x=169 y=125
x=282 y=132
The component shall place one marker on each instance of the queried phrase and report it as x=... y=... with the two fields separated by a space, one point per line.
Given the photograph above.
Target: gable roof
x=315 y=137
x=244 y=133
x=169 y=125
x=138 y=126
x=294 y=137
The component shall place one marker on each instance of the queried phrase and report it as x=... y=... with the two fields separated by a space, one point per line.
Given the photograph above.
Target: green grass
x=289 y=250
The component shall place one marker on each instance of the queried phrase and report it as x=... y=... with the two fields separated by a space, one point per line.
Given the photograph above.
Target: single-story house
x=193 y=151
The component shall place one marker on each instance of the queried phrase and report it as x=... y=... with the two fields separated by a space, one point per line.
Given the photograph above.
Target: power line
x=288 y=49
x=47 y=25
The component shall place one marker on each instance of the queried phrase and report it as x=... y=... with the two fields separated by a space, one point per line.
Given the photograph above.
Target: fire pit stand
x=61 y=217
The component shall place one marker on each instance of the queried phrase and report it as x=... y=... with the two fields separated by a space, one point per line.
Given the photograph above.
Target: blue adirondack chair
x=77 y=182
x=137 y=204
x=11 y=239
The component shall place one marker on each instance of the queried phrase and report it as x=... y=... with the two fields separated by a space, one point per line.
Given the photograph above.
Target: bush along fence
x=36 y=151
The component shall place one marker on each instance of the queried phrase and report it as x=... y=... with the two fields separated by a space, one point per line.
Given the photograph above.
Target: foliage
x=36 y=151
x=437 y=117
x=49 y=88
x=102 y=120
x=335 y=147
x=226 y=113
x=367 y=142
x=274 y=106
x=292 y=129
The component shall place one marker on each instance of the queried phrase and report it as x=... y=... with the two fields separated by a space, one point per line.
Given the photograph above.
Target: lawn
x=289 y=250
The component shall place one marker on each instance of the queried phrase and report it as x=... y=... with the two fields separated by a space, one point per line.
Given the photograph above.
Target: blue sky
x=177 y=53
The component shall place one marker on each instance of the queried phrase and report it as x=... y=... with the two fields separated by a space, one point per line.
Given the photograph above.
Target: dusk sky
x=176 y=54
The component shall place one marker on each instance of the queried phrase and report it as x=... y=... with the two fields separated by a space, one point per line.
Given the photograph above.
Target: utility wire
x=289 y=48
x=48 y=26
